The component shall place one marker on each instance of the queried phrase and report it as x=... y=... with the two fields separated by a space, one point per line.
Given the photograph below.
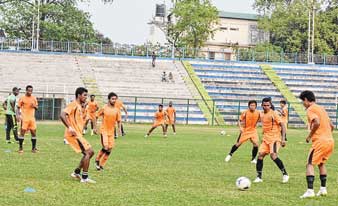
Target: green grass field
x=186 y=169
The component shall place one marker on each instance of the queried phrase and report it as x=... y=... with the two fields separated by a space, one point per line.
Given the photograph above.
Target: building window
x=212 y=55
x=224 y=28
x=234 y=29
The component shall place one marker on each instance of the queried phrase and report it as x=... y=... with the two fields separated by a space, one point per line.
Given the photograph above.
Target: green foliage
x=59 y=21
x=287 y=22
x=194 y=23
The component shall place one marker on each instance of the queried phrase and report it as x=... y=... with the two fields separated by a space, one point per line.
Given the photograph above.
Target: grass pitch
x=186 y=169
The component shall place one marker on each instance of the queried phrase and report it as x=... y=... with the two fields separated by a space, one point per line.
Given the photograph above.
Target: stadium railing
x=188 y=112
x=164 y=52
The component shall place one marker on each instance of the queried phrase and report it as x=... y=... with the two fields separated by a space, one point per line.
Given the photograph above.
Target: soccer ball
x=222 y=132
x=243 y=183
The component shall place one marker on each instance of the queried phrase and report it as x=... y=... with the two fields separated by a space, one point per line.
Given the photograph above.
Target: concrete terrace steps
x=128 y=77
x=136 y=77
x=228 y=84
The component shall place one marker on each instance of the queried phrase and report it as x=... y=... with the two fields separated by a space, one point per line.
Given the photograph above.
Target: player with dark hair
x=159 y=120
x=322 y=146
x=273 y=127
x=171 y=117
x=284 y=113
x=91 y=108
x=11 y=120
x=110 y=116
x=72 y=118
x=26 y=114
x=247 y=125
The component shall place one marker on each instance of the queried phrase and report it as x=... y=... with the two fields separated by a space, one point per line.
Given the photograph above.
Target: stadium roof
x=234 y=15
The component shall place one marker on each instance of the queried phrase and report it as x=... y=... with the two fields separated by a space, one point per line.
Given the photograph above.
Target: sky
x=125 y=21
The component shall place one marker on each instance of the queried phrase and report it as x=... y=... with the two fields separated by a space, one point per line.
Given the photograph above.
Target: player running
x=110 y=116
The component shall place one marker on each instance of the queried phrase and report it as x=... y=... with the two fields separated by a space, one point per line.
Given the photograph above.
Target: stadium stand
x=128 y=77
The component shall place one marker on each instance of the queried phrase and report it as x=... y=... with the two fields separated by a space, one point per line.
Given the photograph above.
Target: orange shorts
x=79 y=144
x=245 y=136
x=28 y=124
x=156 y=124
x=320 y=151
x=269 y=148
x=107 y=141
x=91 y=116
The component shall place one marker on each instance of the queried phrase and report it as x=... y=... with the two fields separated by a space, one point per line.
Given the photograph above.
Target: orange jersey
x=119 y=104
x=26 y=105
x=75 y=117
x=250 y=120
x=111 y=115
x=159 y=117
x=92 y=107
x=285 y=116
x=171 y=113
x=271 y=126
x=324 y=131
x=84 y=113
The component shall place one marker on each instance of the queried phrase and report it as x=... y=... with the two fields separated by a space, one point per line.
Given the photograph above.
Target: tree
x=287 y=23
x=194 y=22
x=59 y=20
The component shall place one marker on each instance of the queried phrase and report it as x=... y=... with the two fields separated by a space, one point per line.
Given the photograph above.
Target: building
x=158 y=25
x=235 y=30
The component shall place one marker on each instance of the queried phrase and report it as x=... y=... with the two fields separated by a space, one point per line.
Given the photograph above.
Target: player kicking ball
x=247 y=124
x=159 y=121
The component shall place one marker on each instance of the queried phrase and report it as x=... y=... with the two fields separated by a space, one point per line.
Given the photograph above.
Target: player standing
x=171 y=117
x=72 y=118
x=272 y=126
x=322 y=143
x=26 y=114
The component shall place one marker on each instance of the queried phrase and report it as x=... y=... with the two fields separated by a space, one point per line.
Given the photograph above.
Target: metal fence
x=142 y=109
x=165 y=52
